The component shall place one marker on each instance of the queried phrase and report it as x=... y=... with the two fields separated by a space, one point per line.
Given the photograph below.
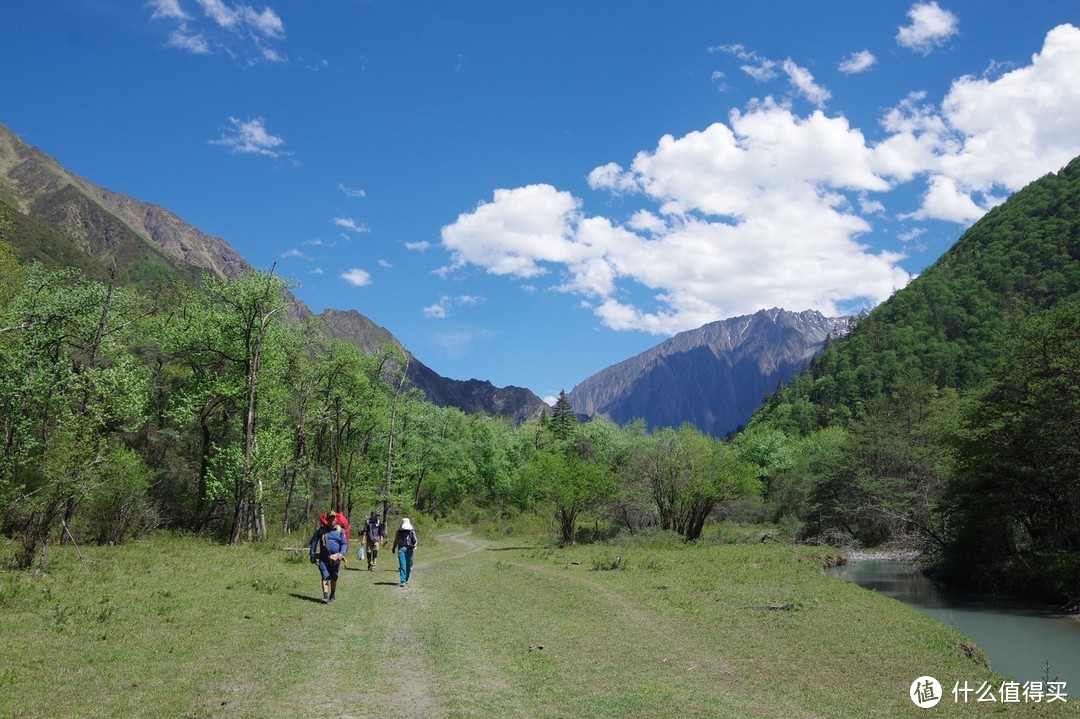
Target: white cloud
x=236 y=30
x=763 y=71
x=750 y=216
x=769 y=208
x=857 y=62
x=266 y=23
x=352 y=192
x=516 y=232
x=760 y=68
x=167 y=9
x=444 y=307
x=195 y=44
x=613 y=178
x=421 y=246
x=250 y=137
x=944 y=200
x=870 y=207
x=803 y=81
x=438 y=310
x=356 y=277
x=989 y=135
x=931 y=26
x=1021 y=125
x=350 y=224
x=220 y=13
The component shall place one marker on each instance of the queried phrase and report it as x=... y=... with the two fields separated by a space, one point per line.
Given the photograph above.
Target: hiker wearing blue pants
x=405 y=542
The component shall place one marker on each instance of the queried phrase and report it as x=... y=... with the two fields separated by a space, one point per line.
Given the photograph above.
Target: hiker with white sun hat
x=405 y=542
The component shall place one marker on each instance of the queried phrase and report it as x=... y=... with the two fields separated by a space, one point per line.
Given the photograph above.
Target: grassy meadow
x=179 y=627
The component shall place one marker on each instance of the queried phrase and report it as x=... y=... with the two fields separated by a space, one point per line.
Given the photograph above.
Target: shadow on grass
x=507 y=549
x=306 y=598
x=387 y=584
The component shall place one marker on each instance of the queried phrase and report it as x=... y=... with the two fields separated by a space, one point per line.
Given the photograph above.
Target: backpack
x=324 y=521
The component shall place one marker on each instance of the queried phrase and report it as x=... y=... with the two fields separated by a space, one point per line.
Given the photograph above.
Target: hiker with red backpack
x=329 y=545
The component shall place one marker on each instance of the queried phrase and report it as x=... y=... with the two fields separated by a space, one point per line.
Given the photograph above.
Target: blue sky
x=527 y=193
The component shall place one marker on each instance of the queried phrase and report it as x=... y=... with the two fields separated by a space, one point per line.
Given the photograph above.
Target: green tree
x=572 y=480
x=1014 y=505
x=69 y=391
x=228 y=340
x=563 y=418
x=689 y=474
x=886 y=478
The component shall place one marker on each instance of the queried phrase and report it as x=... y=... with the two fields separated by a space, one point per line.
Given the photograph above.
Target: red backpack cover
x=324 y=520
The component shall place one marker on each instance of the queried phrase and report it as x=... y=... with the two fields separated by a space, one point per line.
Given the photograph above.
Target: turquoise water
x=1018 y=637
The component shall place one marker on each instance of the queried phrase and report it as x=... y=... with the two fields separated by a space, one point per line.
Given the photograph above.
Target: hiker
x=328 y=547
x=374 y=534
x=405 y=542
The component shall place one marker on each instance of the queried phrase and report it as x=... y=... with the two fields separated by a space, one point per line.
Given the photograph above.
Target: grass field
x=178 y=627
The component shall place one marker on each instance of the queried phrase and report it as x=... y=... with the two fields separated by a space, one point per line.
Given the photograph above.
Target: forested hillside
x=948 y=417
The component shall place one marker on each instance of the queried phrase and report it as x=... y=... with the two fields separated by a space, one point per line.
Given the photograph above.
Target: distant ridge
x=713 y=377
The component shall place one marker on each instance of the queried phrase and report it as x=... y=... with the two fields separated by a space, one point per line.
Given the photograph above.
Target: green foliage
x=883 y=481
x=119 y=507
x=572 y=478
x=688 y=473
x=1014 y=502
x=563 y=417
x=69 y=391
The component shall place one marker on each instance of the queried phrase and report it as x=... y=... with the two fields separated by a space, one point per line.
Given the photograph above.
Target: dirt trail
x=414 y=695
x=378 y=617
x=402 y=682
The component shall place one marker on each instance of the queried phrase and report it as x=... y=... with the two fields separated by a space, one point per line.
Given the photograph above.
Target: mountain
x=470 y=396
x=713 y=377
x=62 y=220
x=144 y=240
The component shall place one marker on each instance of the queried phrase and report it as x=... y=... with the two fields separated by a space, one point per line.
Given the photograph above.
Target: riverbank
x=1024 y=639
x=863 y=555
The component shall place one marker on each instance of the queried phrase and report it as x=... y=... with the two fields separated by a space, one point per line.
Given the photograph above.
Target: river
x=1018 y=637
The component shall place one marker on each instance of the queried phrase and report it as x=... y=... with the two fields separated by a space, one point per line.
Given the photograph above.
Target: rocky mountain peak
x=714 y=376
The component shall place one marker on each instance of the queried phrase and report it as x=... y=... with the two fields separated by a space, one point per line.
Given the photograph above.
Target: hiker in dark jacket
x=373 y=535
x=405 y=542
x=329 y=545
